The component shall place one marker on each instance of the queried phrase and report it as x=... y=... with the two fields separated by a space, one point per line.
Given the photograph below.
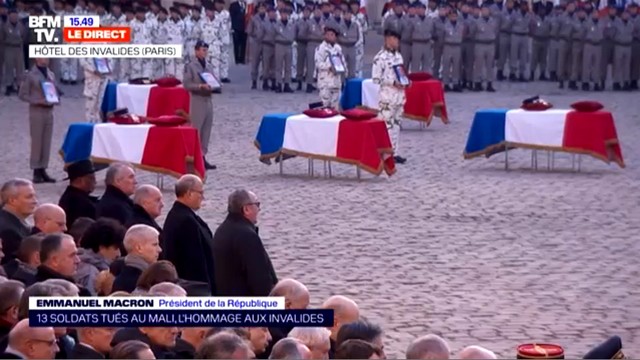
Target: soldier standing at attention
x=201 y=105
x=554 y=42
x=392 y=97
x=422 y=38
x=623 y=38
x=40 y=118
x=211 y=36
x=301 y=39
x=14 y=35
x=224 y=17
x=468 y=44
x=141 y=34
x=193 y=32
x=95 y=84
x=577 y=46
x=487 y=28
x=285 y=35
x=504 y=39
x=255 y=30
x=406 y=29
x=329 y=81
x=592 y=53
x=635 y=48
x=540 y=34
x=393 y=21
x=177 y=35
x=349 y=36
x=564 y=50
x=361 y=19
x=438 y=40
x=268 y=51
x=451 y=54
x=608 y=44
x=159 y=36
x=315 y=35
x=521 y=23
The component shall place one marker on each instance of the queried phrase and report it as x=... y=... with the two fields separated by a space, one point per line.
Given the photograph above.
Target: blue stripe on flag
x=352 y=94
x=109 y=102
x=78 y=142
x=271 y=133
x=487 y=130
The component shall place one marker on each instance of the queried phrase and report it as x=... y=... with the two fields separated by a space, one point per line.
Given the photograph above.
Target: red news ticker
x=102 y=34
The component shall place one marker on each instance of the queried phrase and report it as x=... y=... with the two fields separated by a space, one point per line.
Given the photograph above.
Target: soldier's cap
x=164 y=11
x=140 y=9
x=286 y=11
x=13 y=11
x=127 y=9
x=356 y=2
x=540 y=351
x=271 y=8
x=116 y=4
x=174 y=9
x=486 y=5
x=419 y=5
x=218 y=2
x=209 y=7
x=315 y=105
x=610 y=349
x=195 y=8
x=332 y=29
x=201 y=44
x=393 y=33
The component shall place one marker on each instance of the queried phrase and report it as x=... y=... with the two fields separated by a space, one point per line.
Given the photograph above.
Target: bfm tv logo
x=76 y=29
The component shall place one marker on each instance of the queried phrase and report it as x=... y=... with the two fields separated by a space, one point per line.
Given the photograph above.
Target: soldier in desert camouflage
x=392 y=97
x=222 y=15
x=141 y=29
x=329 y=80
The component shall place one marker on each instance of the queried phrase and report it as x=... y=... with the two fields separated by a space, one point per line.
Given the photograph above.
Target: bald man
x=142 y=244
x=345 y=311
x=187 y=239
x=290 y=348
x=429 y=347
x=49 y=219
x=30 y=343
x=147 y=206
x=475 y=352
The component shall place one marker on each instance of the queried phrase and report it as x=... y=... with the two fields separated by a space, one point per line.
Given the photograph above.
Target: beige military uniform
x=392 y=99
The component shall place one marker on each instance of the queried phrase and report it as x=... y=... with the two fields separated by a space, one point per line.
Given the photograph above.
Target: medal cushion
x=587 y=106
x=358 y=114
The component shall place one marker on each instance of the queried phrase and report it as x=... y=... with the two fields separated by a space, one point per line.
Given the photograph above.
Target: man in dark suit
x=147 y=206
x=242 y=265
x=187 y=238
x=115 y=203
x=76 y=199
x=143 y=249
x=59 y=260
x=19 y=201
x=30 y=343
x=238 y=11
x=93 y=343
x=10 y=293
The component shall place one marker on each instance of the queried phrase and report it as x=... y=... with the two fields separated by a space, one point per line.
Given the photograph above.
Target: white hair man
x=186 y=238
x=121 y=184
x=49 y=219
x=30 y=343
x=143 y=249
x=475 y=352
x=345 y=311
x=18 y=200
x=147 y=206
x=429 y=347
x=317 y=339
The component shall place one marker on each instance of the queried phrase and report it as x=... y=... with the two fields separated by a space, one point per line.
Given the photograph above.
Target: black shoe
x=217 y=91
x=561 y=86
x=310 y=88
x=73 y=82
x=46 y=177
x=457 y=88
x=478 y=87
x=596 y=87
x=277 y=88
x=265 y=85
x=512 y=77
x=399 y=159
x=602 y=85
x=299 y=85
x=287 y=89
x=634 y=85
x=254 y=85
x=447 y=88
x=8 y=91
x=573 y=85
x=532 y=76
x=500 y=75
x=64 y=82
x=553 y=76
x=490 y=87
x=522 y=78
x=226 y=80
x=37 y=176
x=273 y=85
x=208 y=166
x=585 y=86
x=626 y=87
x=616 y=87
x=543 y=77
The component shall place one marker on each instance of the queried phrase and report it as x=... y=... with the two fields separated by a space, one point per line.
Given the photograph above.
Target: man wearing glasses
x=242 y=265
x=186 y=237
x=49 y=219
x=30 y=343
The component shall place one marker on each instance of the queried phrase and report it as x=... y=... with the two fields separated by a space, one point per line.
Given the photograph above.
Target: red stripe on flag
x=167 y=100
x=364 y=143
x=593 y=133
x=174 y=150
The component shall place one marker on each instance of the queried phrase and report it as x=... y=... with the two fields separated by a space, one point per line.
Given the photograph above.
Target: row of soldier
x=570 y=44
x=283 y=42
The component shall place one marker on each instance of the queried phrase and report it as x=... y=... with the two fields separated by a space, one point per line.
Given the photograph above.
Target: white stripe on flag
x=133 y=97
x=312 y=136
x=370 y=94
x=542 y=128
x=120 y=142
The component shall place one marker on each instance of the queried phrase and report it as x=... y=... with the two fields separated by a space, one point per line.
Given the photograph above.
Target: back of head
x=128 y=350
x=357 y=349
x=28 y=247
x=361 y=329
x=37 y=289
x=295 y=293
x=63 y=287
x=10 y=294
x=286 y=348
x=167 y=289
x=475 y=352
x=185 y=184
x=429 y=347
x=222 y=345
x=156 y=273
x=104 y=232
x=79 y=227
x=312 y=337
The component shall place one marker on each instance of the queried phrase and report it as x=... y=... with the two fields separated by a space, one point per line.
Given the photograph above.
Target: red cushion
x=321 y=113
x=122 y=120
x=536 y=106
x=587 y=106
x=168 y=81
x=167 y=120
x=420 y=76
x=358 y=114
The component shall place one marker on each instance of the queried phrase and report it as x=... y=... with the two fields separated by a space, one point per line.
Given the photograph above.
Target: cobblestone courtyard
x=458 y=247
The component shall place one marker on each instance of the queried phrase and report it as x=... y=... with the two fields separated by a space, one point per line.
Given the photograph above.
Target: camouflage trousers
x=329 y=96
x=224 y=61
x=140 y=68
x=359 y=59
x=392 y=115
x=124 y=71
x=171 y=66
x=69 y=68
x=294 y=60
x=94 y=92
x=215 y=59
